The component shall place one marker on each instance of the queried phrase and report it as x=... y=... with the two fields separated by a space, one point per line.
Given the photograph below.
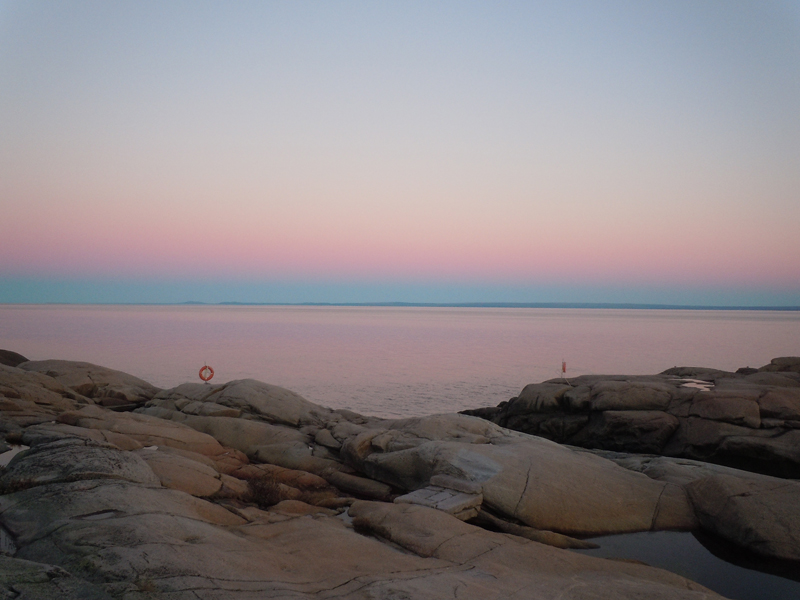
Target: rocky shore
x=244 y=490
x=749 y=419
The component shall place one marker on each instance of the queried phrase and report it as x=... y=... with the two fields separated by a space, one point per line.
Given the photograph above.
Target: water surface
x=741 y=576
x=395 y=361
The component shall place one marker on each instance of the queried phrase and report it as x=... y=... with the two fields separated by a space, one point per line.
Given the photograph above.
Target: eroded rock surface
x=108 y=386
x=245 y=491
x=160 y=543
x=749 y=419
x=31 y=398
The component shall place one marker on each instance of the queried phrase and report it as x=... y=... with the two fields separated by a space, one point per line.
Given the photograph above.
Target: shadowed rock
x=762 y=515
x=11 y=359
x=744 y=419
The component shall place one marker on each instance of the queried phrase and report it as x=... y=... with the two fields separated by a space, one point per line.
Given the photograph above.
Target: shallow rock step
x=461 y=505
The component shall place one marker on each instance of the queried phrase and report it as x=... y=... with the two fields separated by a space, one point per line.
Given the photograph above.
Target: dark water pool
x=707 y=560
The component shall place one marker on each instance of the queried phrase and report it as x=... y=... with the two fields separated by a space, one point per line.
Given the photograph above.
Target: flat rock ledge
x=245 y=490
x=749 y=419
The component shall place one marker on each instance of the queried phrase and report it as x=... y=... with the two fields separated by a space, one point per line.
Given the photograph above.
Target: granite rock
x=743 y=419
x=94 y=381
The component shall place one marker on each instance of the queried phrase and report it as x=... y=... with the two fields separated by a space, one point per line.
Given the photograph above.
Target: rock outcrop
x=245 y=490
x=110 y=388
x=126 y=537
x=11 y=359
x=749 y=419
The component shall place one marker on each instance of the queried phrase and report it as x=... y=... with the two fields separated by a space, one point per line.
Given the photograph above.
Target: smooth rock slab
x=94 y=381
x=146 y=429
x=11 y=359
x=780 y=403
x=34 y=513
x=625 y=395
x=762 y=514
x=270 y=402
x=243 y=434
x=503 y=566
x=27 y=580
x=728 y=407
x=28 y=398
x=538 y=482
x=50 y=432
x=180 y=473
x=73 y=460
x=645 y=431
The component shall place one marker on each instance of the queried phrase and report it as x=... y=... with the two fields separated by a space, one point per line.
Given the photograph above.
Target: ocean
x=395 y=361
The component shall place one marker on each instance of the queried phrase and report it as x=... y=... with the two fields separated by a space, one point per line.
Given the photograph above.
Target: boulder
x=645 y=431
x=762 y=515
x=73 y=460
x=323 y=437
x=578 y=398
x=532 y=480
x=623 y=395
x=538 y=397
x=783 y=364
x=11 y=359
x=700 y=439
x=268 y=402
x=727 y=407
x=780 y=403
x=779 y=455
x=94 y=381
x=30 y=398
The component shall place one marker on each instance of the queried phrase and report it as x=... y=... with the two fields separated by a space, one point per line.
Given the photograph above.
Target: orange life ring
x=206 y=373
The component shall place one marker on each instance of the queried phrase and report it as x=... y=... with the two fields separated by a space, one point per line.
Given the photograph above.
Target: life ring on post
x=206 y=373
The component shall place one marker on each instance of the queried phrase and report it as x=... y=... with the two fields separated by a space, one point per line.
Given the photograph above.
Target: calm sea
x=395 y=362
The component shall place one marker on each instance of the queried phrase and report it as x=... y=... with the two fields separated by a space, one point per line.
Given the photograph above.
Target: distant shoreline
x=571 y=305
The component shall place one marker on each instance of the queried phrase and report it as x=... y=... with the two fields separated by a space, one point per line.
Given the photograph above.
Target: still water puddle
x=709 y=561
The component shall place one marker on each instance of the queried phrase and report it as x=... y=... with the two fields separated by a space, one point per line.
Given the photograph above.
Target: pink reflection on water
x=394 y=361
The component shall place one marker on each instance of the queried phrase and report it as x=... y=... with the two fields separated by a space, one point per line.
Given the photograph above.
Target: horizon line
x=576 y=305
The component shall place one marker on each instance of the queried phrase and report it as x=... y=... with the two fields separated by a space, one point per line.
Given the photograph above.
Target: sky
x=452 y=151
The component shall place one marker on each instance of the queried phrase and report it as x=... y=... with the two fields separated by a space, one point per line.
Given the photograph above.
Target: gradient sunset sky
x=616 y=151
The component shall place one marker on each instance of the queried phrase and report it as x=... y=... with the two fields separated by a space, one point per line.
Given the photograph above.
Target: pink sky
x=570 y=144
